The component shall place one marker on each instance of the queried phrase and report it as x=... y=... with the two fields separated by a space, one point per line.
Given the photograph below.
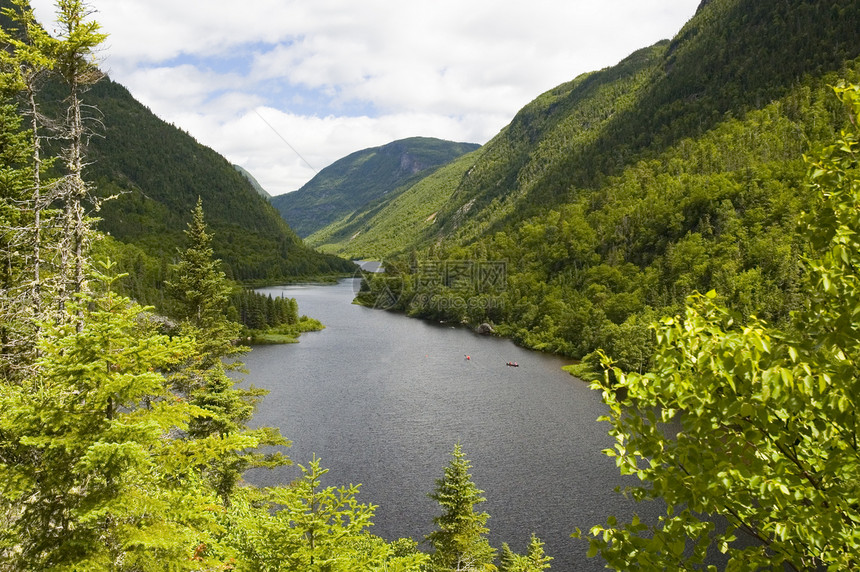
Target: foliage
x=15 y=271
x=285 y=333
x=459 y=542
x=257 y=311
x=202 y=293
x=88 y=475
x=308 y=528
x=750 y=421
x=533 y=561
x=145 y=276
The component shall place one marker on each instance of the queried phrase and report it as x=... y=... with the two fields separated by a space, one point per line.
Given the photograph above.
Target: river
x=381 y=399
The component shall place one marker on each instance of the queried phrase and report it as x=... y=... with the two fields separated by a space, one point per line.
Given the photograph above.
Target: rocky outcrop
x=485 y=329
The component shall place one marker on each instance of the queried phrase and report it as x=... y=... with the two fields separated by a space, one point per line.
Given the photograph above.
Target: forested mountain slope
x=158 y=171
x=612 y=197
x=485 y=182
x=363 y=177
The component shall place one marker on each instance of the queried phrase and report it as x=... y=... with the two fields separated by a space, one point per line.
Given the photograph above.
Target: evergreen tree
x=29 y=54
x=507 y=558
x=460 y=541
x=203 y=295
x=310 y=528
x=534 y=561
x=79 y=38
x=89 y=476
x=16 y=313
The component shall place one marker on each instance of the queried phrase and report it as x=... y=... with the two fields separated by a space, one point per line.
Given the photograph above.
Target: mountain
x=157 y=171
x=254 y=183
x=610 y=198
x=491 y=182
x=386 y=225
x=363 y=177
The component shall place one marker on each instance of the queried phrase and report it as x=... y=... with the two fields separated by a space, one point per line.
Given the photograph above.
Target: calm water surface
x=381 y=399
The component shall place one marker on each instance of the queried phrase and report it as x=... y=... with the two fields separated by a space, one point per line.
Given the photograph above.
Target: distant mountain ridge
x=254 y=182
x=363 y=177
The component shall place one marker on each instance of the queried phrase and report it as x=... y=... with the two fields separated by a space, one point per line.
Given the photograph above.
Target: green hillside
x=610 y=198
x=379 y=228
x=363 y=177
x=158 y=171
x=491 y=182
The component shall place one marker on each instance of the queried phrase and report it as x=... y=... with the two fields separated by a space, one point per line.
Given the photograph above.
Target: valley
x=679 y=230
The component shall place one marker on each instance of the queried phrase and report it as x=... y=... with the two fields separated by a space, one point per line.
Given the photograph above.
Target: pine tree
x=16 y=314
x=460 y=542
x=307 y=527
x=89 y=476
x=534 y=561
x=203 y=295
x=29 y=55
x=75 y=64
x=507 y=558
x=201 y=290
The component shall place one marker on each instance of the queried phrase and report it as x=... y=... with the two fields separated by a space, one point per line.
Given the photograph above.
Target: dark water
x=382 y=399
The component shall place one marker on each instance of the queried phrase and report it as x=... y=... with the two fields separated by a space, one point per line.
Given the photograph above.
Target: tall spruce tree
x=202 y=292
x=460 y=541
x=203 y=295
x=90 y=478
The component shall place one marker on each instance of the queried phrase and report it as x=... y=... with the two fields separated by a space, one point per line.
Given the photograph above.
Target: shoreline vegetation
x=284 y=334
x=296 y=280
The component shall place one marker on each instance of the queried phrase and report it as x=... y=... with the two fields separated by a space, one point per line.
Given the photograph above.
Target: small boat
x=513 y=364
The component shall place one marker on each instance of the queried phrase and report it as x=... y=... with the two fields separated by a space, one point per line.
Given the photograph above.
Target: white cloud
x=336 y=76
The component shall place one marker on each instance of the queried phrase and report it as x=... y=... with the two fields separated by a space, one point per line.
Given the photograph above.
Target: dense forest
x=363 y=177
x=611 y=198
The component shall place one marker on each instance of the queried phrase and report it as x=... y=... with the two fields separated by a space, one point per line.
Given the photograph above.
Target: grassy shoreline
x=284 y=334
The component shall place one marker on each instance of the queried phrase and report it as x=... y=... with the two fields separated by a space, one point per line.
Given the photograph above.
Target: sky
x=286 y=87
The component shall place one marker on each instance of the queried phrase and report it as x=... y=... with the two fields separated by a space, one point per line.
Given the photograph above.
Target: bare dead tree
x=76 y=65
